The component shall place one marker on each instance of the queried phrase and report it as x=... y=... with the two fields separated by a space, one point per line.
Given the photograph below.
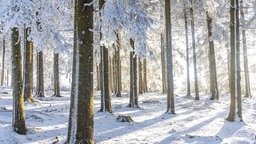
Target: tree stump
x=122 y=118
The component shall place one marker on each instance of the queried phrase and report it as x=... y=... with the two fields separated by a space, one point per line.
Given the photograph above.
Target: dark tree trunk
x=246 y=69
x=28 y=68
x=40 y=75
x=3 y=55
x=56 y=78
x=145 y=85
x=187 y=51
x=170 y=93
x=18 y=123
x=194 y=50
x=81 y=121
x=110 y=66
x=98 y=76
x=105 y=89
x=235 y=89
x=140 y=77
x=212 y=63
x=133 y=78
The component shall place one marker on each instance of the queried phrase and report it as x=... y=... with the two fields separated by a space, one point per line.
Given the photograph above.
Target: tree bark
x=56 y=78
x=40 y=75
x=105 y=89
x=118 y=63
x=163 y=57
x=133 y=78
x=246 y=69
x=145 y=85
x=3 y=56
x=28 y=68
x=194 y=50
x=170 y=92
x=140 y=77
x=187 y=50
x=212 y=63
x=18 y=123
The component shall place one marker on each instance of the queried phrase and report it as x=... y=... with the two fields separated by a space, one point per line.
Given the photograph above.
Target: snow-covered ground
x=195 y=122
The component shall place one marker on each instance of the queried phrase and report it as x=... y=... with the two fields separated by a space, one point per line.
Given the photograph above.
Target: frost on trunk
x=170 y=86
x=187 y=50
x=56 y=79
x=235 y=89
x=28 y=68
x=81 y=120
x=194 y=50
x=163 y=52
x=40 y=75
x=3 y=56
x=18 y=121
x=212 y=62
x=246 y=69
x=133 y=78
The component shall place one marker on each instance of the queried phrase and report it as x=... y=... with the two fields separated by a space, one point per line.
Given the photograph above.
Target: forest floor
x=195 y=122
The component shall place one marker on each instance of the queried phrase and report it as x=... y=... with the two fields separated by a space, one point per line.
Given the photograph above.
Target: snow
x=195 y=122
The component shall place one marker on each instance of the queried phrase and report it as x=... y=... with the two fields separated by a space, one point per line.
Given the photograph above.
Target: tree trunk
x=110 y=66
x=118 y=63
x=187 y=51
x=212 y=63
x=105 y=89
x=246 y=69
x=56 y=78
x=145 y=85
x=82 y=80
x=140 y=77
x=98 y=76
x=28 y=68
x=170 y=93
x=163 y=54
x=194 y=50
x=234 y=60
x=40 y=75
x=133 y=77
x=18 y=123
x=3 y=54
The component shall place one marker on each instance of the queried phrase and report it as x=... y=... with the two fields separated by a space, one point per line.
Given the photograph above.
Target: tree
x=81 y=117
x=56 y=78
x=28 y=68
x=194 y=50
x=170 y=92
x=145 y=85
x=40 y=75
x=187 y=51
x=18 y=123
x=235 y=89
x=105 y=89
x=246 y=69
x=3 y=55
x=140 y=77
x=118 y=64
x=212 y=63
x=133 y=78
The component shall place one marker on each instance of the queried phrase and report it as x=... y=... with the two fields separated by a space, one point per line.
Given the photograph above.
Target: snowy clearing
x=195 y=121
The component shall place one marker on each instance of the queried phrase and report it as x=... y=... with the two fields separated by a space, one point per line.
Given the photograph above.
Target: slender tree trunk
x=246 y=69
x=56 y=78
x=133 y=78
x=18 y=122
x=212 y=63
x=105 y=89
x=234 y=60
x=145 y=85
x=3 y=54
x=140 y=77
x=110 y=66
x=194 y=50
x=114 y=70
x=170 y=93
x=98 y=76
x=163 y=57
x=187 y=51
x=118 y=63
x=40 y=75
x=28 y=68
